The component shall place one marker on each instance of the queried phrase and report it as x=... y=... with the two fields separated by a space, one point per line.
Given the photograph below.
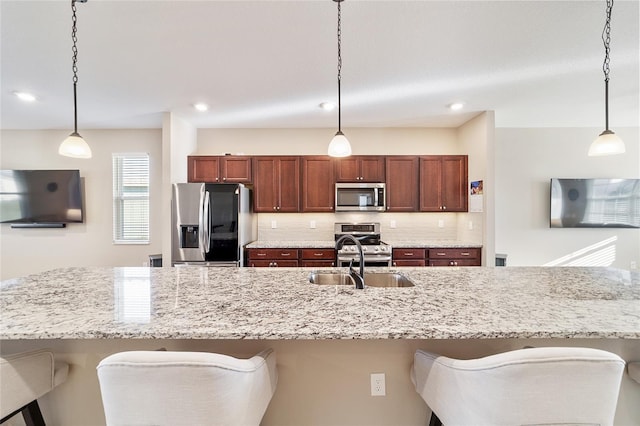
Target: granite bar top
x=393 y=243
x=191 y=302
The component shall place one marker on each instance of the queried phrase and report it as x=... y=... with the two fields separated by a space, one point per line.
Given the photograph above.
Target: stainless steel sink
x=371 y=279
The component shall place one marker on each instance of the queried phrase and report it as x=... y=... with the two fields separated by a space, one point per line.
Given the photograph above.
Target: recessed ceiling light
x=24 y=96
x=201 y=107
x=327 y=106
x=456 y=106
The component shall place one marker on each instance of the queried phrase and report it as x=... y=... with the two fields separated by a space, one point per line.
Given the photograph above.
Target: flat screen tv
x=595 y=203
x=40 y=197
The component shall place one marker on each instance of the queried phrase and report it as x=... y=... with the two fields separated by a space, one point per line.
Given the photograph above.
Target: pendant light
x=339 y=146
x=608 y=143
x=74 y=146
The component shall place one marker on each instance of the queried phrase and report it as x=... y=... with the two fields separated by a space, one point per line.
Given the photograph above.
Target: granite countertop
x=431 y=244
x=393 y=243
x=292 y=244
x=190 y=302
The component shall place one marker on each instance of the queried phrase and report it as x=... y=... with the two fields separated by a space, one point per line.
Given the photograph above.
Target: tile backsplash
x=393 y=226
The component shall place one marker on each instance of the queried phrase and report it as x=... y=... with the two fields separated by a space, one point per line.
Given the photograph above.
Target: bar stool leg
x=435 y=421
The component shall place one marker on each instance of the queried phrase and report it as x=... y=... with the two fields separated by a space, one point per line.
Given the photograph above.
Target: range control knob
x=364 y=249
x=383 y=248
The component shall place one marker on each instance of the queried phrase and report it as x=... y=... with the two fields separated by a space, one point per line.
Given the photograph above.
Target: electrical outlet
x=377 y=384
x=470 y=225
x=392 y=224
x=633 y=265
x=440 y=223
x=274 y=224
x=312 y=224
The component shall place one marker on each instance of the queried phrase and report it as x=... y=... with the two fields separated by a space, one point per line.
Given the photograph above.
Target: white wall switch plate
x=440 y=223
x=470 y=225
x=274 y=224
x=633 y=265
x=378 y=387
x=312 y=224
x=392 y=224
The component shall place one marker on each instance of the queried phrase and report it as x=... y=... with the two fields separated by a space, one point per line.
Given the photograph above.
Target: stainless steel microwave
x=360 y=197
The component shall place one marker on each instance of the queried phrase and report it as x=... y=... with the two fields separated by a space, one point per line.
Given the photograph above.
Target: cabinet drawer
x=258 y=254
x=408 y=253
x=454 y=253
x=318 y=254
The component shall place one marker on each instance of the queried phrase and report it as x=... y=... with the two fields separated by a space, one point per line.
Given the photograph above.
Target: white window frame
x=137 y=232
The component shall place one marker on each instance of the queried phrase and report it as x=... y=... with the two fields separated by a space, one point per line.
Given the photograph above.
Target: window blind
x=131 y=198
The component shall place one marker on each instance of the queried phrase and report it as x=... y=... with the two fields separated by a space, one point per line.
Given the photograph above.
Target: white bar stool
x=25 y=377
x=525 y=386
x=186 y=388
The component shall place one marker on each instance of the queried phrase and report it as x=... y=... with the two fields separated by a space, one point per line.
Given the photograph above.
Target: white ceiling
x=268 y=64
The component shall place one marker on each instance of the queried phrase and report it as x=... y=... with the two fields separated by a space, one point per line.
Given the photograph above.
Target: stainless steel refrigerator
x=211 y=224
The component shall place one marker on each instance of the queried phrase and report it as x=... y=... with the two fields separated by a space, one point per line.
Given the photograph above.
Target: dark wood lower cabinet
x=459 y=256
x=455 y=257
x=287 y=257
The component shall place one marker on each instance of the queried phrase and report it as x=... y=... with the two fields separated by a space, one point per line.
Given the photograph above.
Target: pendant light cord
x=339 y=67
x=606 y=39
x=74 y=37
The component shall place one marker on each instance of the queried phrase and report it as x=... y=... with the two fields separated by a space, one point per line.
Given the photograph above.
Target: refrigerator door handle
x=201 y=225
x=207 y=207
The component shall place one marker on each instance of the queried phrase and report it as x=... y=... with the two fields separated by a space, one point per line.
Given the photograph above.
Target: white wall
x=526 y=159
x=369 y=141
x=26 y=251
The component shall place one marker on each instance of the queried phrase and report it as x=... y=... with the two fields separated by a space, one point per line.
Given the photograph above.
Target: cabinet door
x=415 y=262
x=430 y=184
x=347 y=170
x=454 y=183
x=289 y=184
x=372 y=169
x=401 y=178
x=235 y=169
x=318 y=184
x=364 y=168
x=203 y=169
x=317 y=263
x=265 y=185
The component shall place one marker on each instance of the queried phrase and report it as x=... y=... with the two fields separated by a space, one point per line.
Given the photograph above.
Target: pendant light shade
x=339 y=145
x=608 y=143
x=74 y=146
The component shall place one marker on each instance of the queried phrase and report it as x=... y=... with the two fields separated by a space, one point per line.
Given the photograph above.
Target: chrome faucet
x=358 y=278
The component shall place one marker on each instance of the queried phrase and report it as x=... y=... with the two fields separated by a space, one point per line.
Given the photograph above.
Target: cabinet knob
x=274 y=207
x=224 y=178
x=444 y=207
x=217 y=179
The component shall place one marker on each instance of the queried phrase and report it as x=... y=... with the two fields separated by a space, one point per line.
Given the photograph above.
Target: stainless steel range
x=375 y=251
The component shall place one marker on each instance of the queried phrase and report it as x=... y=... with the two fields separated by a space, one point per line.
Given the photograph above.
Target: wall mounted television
x=40 y=198
x=595 y=203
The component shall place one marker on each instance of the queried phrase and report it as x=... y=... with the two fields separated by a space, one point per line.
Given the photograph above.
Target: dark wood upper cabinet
x=318 y=184
x=443 y=183
x=219 y=169
x=277 y=184
x=401 y=178
x=363 y=168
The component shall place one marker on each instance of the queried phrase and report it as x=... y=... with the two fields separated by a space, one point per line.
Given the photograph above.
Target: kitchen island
x=332 y=336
